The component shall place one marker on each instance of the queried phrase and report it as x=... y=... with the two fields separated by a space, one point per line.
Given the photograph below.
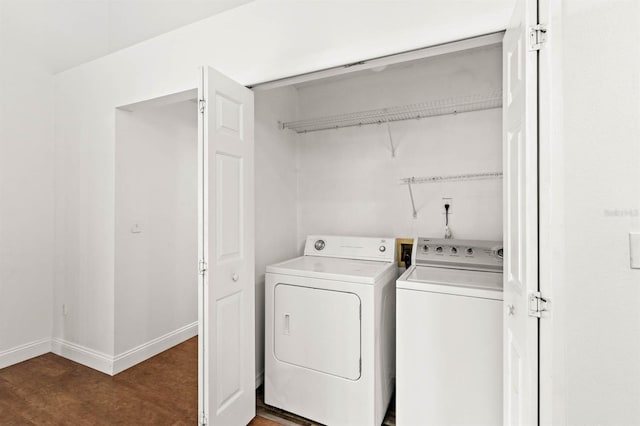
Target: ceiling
x=60 y=34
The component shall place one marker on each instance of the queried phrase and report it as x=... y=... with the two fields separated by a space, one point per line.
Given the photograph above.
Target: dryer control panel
x=459 y=254
x=361 y=248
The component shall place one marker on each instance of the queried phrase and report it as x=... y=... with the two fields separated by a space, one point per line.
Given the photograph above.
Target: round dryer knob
x=382 y=249
x=319 y=245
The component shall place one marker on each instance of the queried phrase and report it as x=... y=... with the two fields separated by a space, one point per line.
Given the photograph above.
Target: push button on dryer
x=382 y=249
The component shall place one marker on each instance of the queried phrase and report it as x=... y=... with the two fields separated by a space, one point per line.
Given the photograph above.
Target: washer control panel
x=463 y=254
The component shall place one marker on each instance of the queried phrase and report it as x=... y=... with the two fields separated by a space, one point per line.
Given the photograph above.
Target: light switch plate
x=634 y=249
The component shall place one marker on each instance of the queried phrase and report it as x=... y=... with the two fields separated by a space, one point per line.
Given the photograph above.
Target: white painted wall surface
x=256 y=42
x=156 y=188
x=276 y=193
x=26 y=202
x=592 y=182
x=349 y=183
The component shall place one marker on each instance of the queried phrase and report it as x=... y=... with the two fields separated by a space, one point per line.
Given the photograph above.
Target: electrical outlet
x=405 y=253
x=447 y=201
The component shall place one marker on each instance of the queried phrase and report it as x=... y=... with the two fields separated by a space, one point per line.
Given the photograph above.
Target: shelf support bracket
x=413 y=204
x=393 y=148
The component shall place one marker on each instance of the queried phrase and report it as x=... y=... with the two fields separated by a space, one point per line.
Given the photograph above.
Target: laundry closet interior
x=379 y=152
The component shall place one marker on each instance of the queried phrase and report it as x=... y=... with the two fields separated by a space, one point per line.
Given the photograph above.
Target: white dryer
x=329 y=330
x=449 y=335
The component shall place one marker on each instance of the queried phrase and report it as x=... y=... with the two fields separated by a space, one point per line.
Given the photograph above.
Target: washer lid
x=350 y=270
x=453 y=281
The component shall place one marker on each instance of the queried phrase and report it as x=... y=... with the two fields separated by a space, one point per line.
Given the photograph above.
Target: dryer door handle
x=287 y=324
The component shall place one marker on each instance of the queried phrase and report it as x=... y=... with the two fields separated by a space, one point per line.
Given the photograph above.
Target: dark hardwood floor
x=163 y=390
x=50 y=390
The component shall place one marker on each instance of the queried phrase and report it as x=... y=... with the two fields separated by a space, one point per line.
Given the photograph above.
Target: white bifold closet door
x=226 y=288
x=520 y=153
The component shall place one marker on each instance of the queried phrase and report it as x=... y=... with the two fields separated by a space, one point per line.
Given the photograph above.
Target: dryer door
x=318 y=329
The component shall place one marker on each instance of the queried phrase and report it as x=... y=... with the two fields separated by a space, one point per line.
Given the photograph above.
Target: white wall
x=276 y=193
x=255 y=42
x=591 y=201
x=26 y=202
x=156 y=188
x=350 y=184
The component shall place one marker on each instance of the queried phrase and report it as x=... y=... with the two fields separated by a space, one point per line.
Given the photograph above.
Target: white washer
x=329 y=330
x=449 y=334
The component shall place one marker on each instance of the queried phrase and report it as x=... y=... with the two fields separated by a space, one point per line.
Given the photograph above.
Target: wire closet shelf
x=398 y=113
x=447 y=178
x=452 y=178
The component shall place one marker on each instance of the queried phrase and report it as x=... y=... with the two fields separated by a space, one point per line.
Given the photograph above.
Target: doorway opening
x=156 y=237
x=376 y=149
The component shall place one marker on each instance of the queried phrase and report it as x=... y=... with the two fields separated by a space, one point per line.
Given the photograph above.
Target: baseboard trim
x=24 y=352
x=83 y=355
x=259 y=378
x=160 y=344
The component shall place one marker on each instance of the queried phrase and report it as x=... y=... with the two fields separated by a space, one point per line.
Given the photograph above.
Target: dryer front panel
x=318 y=329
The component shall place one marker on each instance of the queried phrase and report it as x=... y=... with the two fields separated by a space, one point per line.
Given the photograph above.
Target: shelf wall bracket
x=413 y=204
x=393 y=148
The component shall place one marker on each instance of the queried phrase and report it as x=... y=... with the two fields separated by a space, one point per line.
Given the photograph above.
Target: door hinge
x=537 y=304
x=203 y=419
x=537 y=36
x=202 y=105
x=202 y=267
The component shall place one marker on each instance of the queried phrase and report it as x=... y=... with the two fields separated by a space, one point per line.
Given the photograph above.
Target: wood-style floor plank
x=50 y=390
x=53 y=391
